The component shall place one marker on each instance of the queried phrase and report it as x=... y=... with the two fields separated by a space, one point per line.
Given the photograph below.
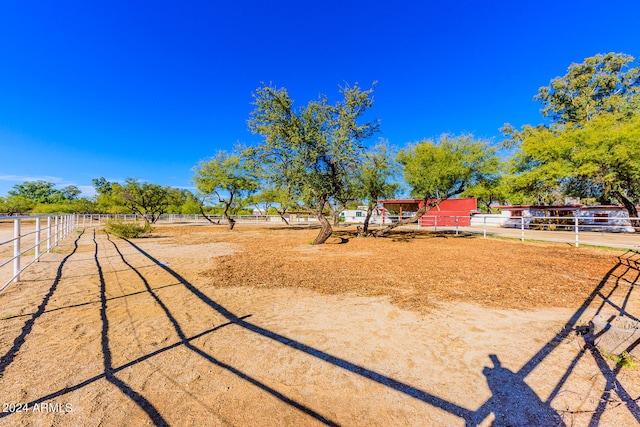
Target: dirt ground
x=197 y=325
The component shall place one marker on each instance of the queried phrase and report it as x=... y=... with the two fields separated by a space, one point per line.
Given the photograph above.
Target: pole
x=484 y=231
x=16 y=250
x=37 y=254
x=55 y=239
x=522 y=227
x=575 y=225
x=48 y=233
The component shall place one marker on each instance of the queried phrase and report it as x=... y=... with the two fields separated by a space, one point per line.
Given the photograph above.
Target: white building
x=590 y=218
x=357 y=216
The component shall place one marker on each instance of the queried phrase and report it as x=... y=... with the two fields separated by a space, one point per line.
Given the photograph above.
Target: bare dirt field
x=197 y=325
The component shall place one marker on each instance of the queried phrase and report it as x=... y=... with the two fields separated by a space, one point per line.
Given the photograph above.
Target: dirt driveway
x=196 y=325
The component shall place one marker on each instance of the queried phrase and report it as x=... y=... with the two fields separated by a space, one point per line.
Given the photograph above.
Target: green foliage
x=79 y=206
x=444 y=168
x=598 y=160
x=276 y=201
x=492 y=190
x=44 y=192
x=590 y=149
x=70 y=192
x=624 y=360
x=376 y=178
x=146 y=199
x=230 y=177
x=127 y=230
x=182 y=201
x=601 y=84
x=377 y=173
x=101 y=185
x=311 y=153
x=12 y=205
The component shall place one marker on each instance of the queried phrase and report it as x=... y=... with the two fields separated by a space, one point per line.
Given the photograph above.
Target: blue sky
x=147 y=89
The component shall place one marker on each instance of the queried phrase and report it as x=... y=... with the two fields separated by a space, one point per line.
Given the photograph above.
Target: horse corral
x=196 y=325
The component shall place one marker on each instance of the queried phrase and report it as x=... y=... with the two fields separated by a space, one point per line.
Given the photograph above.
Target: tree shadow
x=512 y=402
x=285 y=227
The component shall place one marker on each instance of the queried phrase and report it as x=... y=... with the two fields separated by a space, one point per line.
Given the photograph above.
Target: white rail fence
x=618 y=232
x=40 y=234
x=24 y=234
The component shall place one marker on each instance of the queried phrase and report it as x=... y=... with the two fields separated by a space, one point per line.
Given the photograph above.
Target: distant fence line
x=41 y=233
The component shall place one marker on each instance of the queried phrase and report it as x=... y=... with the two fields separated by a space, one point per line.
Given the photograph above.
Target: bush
x=127 y=230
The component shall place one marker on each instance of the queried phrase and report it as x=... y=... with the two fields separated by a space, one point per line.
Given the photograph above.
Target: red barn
x=444 y=214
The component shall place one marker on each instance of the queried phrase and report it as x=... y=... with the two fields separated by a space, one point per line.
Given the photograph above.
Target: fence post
x=48 y=233
x=37 y=255
x=575 y=221
x=522 y=227
x=55 y=239
x=435 y=224
x=457 y=217
x=484 y=231
x=16 y=249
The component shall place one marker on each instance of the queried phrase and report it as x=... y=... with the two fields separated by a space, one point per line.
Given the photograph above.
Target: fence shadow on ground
x=8 y=357
x=521 y=406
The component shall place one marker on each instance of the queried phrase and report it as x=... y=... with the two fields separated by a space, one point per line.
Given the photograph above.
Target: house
x=564 y=217
x=449 y=212
x=605 y=218
x=358 y=215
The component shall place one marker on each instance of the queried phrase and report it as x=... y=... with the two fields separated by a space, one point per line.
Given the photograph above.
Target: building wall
x=357 y=216
x=449 y=211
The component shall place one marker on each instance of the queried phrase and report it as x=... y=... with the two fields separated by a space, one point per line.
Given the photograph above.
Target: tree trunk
x=204 y=215
x=325 y=226
x=336 y=218
x=628 y=205
x=230 y=221
x=425 y=207
x=365 y=226
x=282 y=216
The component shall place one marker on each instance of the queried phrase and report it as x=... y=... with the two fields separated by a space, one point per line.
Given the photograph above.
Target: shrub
x=127 y=230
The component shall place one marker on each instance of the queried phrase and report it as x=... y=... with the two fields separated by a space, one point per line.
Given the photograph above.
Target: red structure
x=445 y=214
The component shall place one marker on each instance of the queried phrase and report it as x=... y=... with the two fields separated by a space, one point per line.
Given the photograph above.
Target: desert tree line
x=323 y=157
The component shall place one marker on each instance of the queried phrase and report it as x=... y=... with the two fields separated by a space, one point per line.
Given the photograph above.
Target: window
x=600 y=218
x=358 y=213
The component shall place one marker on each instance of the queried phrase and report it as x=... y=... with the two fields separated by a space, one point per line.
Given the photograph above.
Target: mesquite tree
x=145 y=199
x=442 y=169
x=590 y=147
x=229 y=177
x=312 y=151
x=376 y=173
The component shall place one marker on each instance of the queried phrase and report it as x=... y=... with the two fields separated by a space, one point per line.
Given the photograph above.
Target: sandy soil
x=196 y=325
